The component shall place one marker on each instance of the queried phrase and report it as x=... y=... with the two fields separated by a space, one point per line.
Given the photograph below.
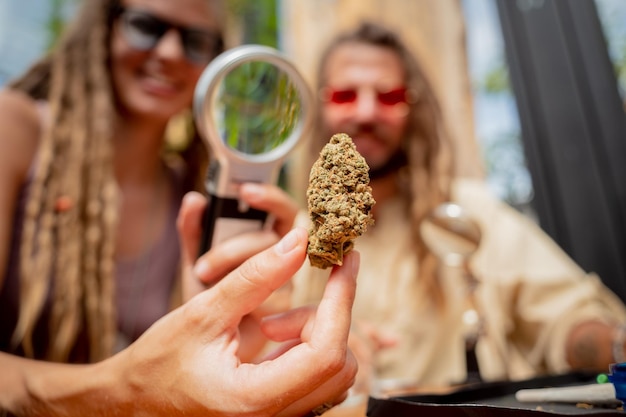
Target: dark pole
x=573 y=129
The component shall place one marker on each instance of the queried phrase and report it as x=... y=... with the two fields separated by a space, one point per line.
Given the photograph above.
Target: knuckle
x=252 y=273
x=335 y=360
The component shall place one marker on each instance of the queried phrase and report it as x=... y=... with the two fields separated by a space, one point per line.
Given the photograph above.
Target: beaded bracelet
x=618 y=344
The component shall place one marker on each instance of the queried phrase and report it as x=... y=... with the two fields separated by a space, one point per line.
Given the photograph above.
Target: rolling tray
x=489 y=399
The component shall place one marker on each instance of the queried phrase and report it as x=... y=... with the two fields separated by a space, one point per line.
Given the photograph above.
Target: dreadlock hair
x=71 y=213
x=427 y=164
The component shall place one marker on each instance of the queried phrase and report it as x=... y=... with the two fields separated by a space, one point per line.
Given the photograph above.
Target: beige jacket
x=531 y=292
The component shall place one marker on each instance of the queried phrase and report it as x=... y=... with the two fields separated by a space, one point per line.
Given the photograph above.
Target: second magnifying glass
x=252 y=107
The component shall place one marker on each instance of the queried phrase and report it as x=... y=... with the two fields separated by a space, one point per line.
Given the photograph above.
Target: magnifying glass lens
x=257 y=108
x=251 y=106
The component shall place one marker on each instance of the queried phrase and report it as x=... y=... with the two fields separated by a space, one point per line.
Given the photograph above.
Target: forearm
x=591 y=345
x=36 y=388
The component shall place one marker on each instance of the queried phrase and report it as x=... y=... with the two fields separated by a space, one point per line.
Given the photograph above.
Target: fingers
x=328 y=338
x=326 y=354
x=274 y=200
x=189 y=224
x=229 y=254
x=334 y=313
x=288 y=325
x=249 y=285
x=332 y=392
x=304 y=321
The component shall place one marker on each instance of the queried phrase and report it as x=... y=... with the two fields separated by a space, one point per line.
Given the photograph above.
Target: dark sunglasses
x=349 y=96
x=143 y=31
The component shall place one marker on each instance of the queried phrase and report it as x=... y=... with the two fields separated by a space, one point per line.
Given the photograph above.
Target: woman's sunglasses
x=143 y=31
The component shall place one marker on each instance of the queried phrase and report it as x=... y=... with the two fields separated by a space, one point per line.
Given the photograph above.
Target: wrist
x=62 y=389
x=13 y=392
x=619 y=340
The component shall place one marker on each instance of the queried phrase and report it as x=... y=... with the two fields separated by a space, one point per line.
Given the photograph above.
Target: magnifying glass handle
x=225 y=218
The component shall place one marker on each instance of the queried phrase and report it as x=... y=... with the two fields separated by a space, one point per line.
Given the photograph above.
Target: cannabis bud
x=339 y=199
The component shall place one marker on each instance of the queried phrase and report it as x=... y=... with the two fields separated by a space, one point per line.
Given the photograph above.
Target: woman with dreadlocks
x=88 y=177
x=89 y=246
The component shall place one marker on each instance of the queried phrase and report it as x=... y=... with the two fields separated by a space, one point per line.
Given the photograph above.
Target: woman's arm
x=35 y=388
x=19 y=136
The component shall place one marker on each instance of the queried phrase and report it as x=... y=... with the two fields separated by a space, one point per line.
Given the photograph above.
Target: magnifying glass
x=252 y=107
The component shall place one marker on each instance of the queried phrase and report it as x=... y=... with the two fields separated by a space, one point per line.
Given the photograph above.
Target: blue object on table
x=617 y=376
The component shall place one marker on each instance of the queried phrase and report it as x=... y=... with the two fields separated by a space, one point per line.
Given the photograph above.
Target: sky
x=495 y=115
x=22 y=34
x=485 y=47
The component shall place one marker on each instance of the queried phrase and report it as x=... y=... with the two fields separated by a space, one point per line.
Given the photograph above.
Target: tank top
x=143 y=286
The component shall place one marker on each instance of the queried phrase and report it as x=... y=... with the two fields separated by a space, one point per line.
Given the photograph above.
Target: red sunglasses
x=350 y=95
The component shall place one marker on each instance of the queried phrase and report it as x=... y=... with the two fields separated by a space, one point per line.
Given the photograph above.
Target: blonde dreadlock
x=73 y=165
x=426 y=147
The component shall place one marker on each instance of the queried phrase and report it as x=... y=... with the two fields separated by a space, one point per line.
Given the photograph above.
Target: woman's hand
x=187 y=362
x=198 y=274
x=189 y=358
x=227 y=255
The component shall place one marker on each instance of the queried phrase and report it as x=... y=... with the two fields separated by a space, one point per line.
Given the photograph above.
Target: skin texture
x=19 y=143
x=196 y=370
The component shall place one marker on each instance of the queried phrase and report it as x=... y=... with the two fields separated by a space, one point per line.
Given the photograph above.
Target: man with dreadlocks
x=89 y=248
x=541 y=312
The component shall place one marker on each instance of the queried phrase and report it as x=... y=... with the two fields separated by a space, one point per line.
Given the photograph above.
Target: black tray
x=488 y=399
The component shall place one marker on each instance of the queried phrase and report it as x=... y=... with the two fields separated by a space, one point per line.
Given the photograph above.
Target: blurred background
x=533 y=93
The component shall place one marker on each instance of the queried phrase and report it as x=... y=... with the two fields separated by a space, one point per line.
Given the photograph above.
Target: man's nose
x=366 y=105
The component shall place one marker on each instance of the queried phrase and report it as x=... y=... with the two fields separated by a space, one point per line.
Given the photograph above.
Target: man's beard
x=395 y=162
x=391 y=165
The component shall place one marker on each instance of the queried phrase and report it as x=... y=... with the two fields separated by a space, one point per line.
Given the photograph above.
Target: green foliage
x=496 y=80
x=259 y=18
x=260 y=108
x=55 y=23
x=620 y=68
x=57 y=19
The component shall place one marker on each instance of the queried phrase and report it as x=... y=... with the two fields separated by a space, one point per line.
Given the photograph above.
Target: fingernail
x=288 y=242
x=201 y=269
x=252 y=190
